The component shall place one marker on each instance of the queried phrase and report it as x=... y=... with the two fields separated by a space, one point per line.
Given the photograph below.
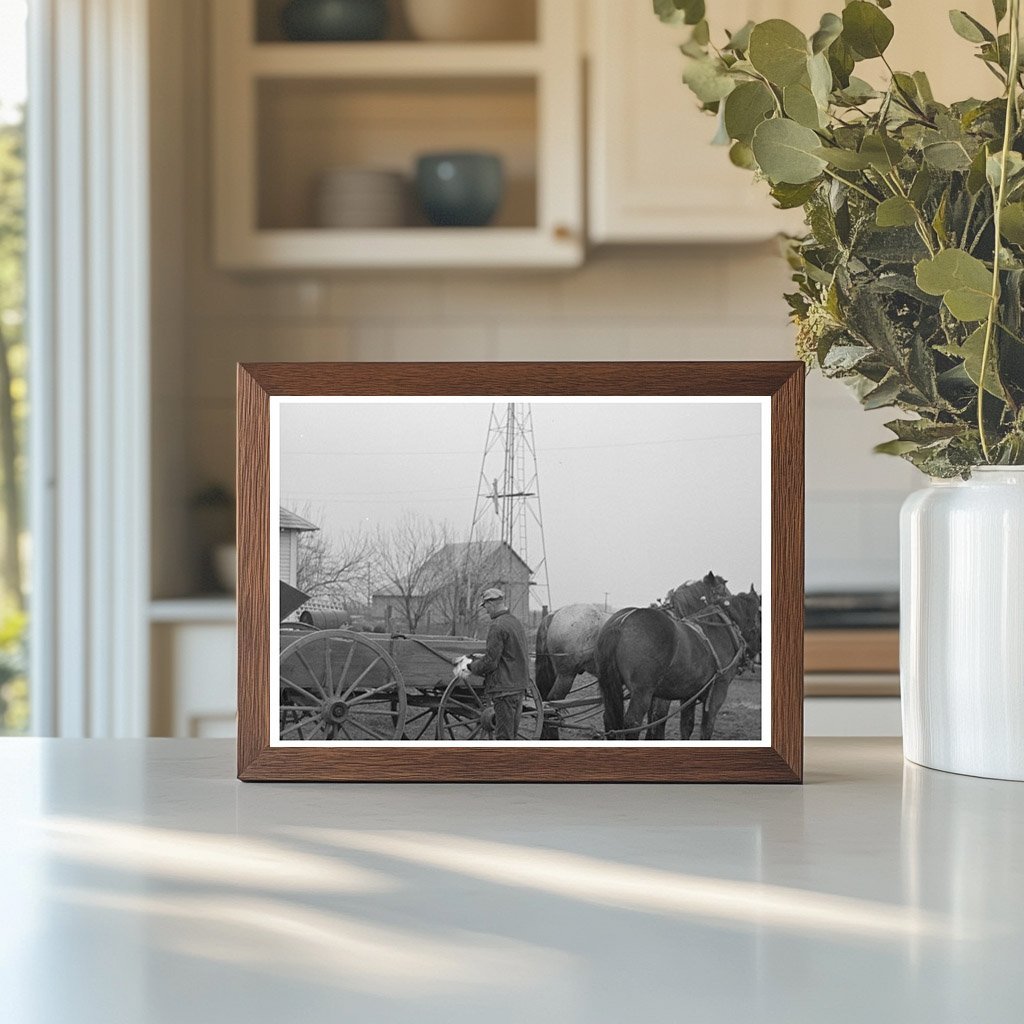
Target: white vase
x=962 y=624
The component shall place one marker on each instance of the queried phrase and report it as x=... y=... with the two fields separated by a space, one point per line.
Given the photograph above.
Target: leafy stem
x=850 y=184
x=922 y=225
x=993 y=309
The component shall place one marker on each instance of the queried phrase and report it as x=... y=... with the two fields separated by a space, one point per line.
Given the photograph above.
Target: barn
x=493 y=563
x=448 y=587
x=291 y=526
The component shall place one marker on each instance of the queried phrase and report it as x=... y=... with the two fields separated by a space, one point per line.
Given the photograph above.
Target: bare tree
x=332 y=567
x=467 y=569
x=411 y=563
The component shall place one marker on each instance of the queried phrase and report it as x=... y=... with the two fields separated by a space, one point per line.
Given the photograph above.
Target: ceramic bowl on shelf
x=361 y=198
x=225 y=566
x=460 y=189
x=469 y=20
x=334 y=21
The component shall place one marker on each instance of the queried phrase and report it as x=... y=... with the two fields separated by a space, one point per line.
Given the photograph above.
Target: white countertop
x=143 y=885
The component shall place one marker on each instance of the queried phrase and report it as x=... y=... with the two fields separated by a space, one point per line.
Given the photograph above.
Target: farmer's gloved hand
x=461 y=668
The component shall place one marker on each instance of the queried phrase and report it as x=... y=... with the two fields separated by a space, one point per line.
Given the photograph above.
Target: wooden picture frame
x=779 y=758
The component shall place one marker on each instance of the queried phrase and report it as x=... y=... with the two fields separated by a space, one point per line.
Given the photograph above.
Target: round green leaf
x=785 y=152
x=829 y=30
x=972 y=352
x=708 y=81
x=841 y=61
x=961 y=279
x=866 y=29
x=895 y=212
x=743 y=156
x=800 y=105
x=947 y=156
x=740 y=39
x=747 y=106
x=968 y=28
x=1012 y=223
x=844 y=159
x=820 y=76
x=779 y=51
x=882 y=152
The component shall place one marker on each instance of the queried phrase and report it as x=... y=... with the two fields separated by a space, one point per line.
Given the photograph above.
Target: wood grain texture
x=252 y=487
x=788 y=568
x=644 y=762
x=852 y=650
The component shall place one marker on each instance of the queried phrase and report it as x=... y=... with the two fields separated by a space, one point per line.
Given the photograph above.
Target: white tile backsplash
x=718 y=302
x=646 y=302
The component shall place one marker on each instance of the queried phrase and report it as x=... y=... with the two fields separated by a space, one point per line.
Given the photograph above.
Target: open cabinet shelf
x=287 y=114
x=394 y=60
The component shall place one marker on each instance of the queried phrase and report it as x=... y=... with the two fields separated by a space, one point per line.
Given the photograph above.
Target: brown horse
x=687 y=599
x=656 y=656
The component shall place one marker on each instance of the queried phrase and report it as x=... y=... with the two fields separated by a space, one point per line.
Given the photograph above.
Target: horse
x=566 y=641
x=657 y=656
x=685 y=600
x=694 y=595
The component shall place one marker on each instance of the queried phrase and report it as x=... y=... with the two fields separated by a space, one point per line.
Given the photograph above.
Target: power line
x=562 y=448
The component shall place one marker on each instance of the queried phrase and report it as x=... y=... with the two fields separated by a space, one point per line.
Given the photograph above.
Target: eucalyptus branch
x=993 y=309
x=923 y=227
x=853 y=185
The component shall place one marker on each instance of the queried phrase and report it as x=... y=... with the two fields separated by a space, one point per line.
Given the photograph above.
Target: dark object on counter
x=460 y=189
x=332 y=21
x=857 y=610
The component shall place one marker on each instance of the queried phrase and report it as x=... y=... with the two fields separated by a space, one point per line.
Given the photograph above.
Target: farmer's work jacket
x=504 y=665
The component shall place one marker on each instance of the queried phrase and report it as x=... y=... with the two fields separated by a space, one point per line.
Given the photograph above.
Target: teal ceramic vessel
x=461 y=190
x=334 y=21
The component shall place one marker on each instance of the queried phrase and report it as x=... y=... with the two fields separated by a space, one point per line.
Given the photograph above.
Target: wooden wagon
x=341 y=684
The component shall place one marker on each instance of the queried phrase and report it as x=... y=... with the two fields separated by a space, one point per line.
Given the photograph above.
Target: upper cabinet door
x=301 y=132
x=654 y=175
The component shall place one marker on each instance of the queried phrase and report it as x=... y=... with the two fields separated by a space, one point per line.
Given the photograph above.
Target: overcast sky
x=636 y=497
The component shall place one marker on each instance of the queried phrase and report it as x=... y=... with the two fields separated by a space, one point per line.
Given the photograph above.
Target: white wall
x=719 y=302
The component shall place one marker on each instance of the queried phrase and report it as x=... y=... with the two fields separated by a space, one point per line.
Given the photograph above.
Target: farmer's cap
x=491 y=595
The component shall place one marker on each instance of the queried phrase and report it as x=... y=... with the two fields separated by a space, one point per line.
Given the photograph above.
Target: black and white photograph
x=545 y=571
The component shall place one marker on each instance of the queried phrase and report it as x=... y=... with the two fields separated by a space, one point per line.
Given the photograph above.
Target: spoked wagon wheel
x=466 y=714
x=340 y=685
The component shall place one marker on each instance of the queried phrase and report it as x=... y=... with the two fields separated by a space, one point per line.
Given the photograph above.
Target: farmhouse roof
x=290 y=521
x=481 y=549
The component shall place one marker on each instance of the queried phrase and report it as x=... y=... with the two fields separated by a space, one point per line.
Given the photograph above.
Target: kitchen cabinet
x=287 y=113
x=193 y=667
x=653 y=175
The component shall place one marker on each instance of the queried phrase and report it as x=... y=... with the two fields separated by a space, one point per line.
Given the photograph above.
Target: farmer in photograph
x=504 y=665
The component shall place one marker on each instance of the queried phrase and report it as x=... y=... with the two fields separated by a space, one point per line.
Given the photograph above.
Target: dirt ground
x=738 y=719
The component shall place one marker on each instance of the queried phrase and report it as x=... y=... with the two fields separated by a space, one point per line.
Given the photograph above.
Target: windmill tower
x=508 y=497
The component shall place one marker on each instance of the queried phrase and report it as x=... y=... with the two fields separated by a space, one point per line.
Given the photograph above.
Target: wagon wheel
x=421 y=718
x=466 y=714
x=340 y=685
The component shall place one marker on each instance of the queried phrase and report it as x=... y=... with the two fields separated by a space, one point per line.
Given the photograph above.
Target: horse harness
x=712 y=610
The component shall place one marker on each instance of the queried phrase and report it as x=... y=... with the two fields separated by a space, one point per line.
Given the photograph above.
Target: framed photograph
x=518 y=572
